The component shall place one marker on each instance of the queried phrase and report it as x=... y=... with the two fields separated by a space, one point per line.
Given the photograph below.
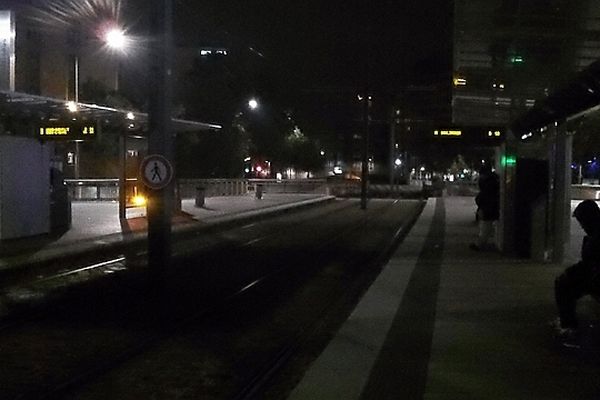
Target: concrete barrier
x=584 y=192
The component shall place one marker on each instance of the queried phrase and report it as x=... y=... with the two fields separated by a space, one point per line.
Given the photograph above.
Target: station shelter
x=35 y=135
x=535 y=170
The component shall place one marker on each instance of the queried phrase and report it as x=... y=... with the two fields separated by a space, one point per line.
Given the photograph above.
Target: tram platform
x=96 y=225
x=445 y=322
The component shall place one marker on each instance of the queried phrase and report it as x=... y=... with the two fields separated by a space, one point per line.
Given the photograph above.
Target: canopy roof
x=39 y=108
x=580 y=96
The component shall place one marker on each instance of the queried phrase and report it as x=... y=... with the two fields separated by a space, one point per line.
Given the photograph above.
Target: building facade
x=508 y=54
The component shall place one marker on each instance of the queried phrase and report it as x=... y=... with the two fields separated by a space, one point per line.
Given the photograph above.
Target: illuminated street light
x=115 y=39
x=398 y=162
x=72 y=106
x=253 y=104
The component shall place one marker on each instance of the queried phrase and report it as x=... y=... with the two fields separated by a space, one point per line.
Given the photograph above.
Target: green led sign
x=507 y=161
x=517 y=60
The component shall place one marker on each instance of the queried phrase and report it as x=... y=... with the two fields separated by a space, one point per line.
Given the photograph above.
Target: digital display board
x=448 y=132
x=67 y=132
x=478 y=135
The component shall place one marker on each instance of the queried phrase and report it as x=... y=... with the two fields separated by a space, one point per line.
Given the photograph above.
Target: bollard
x=259 y=191
x=200 y=196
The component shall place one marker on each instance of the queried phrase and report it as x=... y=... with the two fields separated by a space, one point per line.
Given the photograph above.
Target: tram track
x=255 y=386
x=257 y=380
x=29 y=292
x=40 y=312
x=144 y=344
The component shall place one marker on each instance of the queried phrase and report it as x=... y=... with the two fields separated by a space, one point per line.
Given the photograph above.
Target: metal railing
x=213 y=187
x=318 y=186
x=106 y=189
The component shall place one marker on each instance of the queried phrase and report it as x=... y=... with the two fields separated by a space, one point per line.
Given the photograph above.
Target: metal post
x=160 y=139
x=366 y=105
x=76 y=79
x=123 y=176
x=392 y=146
x=562 y=192
x=365 y=154
x=77 y=149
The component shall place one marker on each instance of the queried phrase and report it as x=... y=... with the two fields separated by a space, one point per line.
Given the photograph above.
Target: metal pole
x=367 y=102
x=76 y=79
x=77 y=149
x=562 y=192
x=365 y=154
x=160 y=139
x=123 y=176
x=117 y=68
x=392 y=146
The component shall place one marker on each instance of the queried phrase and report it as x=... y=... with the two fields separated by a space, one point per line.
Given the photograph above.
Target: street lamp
x=253 y=104
x=115 y=39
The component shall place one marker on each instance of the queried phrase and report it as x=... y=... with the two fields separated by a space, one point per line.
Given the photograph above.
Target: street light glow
x=253 y=104
x=115 y=39
x=72 y=106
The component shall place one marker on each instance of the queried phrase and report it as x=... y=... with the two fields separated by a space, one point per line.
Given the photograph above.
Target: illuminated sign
x=453 y=132
x=64 y=132
x=479 y=135
x=508 y=160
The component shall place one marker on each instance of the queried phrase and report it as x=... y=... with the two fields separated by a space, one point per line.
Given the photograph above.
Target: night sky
x=321 y=43
x=327 y=43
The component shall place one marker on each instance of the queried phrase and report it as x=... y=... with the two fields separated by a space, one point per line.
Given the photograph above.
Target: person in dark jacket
x=488 y=205
x=582 y=278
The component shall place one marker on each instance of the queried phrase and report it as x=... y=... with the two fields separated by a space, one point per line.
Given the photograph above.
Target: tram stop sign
x=156 y=171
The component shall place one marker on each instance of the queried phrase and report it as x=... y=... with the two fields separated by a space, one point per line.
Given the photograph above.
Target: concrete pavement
x=445 y=322
x=96 y=225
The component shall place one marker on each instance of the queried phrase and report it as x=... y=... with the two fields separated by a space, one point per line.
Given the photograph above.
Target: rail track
x=93 y=369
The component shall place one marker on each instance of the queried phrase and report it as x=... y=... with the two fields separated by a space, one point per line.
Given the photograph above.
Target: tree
x=458 y=165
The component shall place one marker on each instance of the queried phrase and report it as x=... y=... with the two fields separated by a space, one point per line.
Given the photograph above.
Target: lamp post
x=116 y=40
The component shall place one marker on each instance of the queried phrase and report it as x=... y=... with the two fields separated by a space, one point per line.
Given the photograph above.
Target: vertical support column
x=365 y=156
x=561 y=192
x=160 y=201
x=392 y=146
x=122 y=176
x=507 y=155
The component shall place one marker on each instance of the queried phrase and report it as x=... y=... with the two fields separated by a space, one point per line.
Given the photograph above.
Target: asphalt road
x=110 y=337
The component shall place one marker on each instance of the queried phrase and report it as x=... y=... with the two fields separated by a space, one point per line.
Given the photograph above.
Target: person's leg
x=486 y=229
x=569 y=287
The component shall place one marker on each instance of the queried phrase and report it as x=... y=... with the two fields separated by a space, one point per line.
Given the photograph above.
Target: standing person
x=582 y=278
x=488 y=205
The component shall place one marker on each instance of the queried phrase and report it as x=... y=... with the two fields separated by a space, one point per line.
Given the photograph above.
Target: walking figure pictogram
x=156 y=172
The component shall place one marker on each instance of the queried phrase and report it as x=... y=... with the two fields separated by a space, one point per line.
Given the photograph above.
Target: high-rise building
x=508 y=54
